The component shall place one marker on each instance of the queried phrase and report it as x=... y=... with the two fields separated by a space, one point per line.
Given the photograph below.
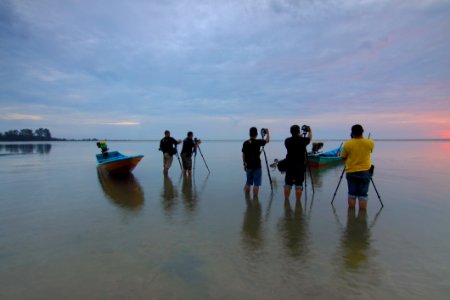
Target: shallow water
x=68 y=231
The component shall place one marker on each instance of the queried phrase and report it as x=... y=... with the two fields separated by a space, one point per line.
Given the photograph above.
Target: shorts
x=294 y=177
x=358 y=184
x=254 y=176
x=167 y=160
x=187 y=161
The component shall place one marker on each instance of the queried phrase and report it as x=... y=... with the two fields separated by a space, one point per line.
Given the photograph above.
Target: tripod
x=309 y=168
x=195 y=156
x=263 y=133
x=267 y=166
x=371 y=180
x=179 y=161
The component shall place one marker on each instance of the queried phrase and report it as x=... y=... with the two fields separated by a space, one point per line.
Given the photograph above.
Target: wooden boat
x=325 y=158
x=116 y=163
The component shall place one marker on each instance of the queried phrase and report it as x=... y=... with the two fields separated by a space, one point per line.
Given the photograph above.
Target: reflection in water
x=318 y=174
x=293 y=230
x=168 y=195
x=25 y=148
x=189 y=193
x=252 y=235
x=123 y=191
x=355 y=241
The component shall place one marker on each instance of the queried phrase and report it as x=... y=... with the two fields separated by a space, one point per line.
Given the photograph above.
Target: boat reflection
x=124 y=191
x=11 y=149
x=319 y=174
x=293 y=228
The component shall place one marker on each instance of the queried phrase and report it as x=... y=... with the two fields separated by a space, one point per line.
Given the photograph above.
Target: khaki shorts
x=187 y=161
x=167 y=161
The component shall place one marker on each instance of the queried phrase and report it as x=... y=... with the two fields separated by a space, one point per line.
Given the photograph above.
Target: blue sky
x=131 y=69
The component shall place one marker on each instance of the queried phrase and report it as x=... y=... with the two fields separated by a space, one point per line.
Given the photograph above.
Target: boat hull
x=322 y=161
x=117 y=163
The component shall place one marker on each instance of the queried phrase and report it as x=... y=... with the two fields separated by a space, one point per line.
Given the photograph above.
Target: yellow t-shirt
x=357 y=154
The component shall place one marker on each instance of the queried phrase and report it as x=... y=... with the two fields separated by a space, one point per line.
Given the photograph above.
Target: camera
x=263 y=132
x=197 y=141
x=306 y=128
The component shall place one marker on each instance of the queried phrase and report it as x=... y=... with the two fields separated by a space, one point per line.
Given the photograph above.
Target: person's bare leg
x=247 y=189
x=298 y=194
x=287 y=193
x=362 y=204
x=351 y=202
x=255 y=191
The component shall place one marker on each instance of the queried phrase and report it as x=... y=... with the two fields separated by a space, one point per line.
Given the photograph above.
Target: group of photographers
x=168 y=146
x=356 y=154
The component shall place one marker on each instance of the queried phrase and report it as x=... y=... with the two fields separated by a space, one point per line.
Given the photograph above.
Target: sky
x=132 y=69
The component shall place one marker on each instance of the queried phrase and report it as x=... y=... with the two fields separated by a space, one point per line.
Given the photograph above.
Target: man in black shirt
x=296 y=151
x=251 y=150
x=168 y=147
x=189 y=146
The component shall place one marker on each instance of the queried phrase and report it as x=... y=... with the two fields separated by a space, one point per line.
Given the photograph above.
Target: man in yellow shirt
x=356 y=154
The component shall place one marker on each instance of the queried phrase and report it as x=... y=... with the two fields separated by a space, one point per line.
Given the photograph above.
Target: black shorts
x=294 y=177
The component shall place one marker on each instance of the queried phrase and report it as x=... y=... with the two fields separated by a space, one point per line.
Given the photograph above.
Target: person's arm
x=243 y=161
x=310 y=136
x=344 y=153
x=267 y=136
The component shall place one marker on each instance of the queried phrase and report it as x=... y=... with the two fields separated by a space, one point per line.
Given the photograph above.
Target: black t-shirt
x=167 y=145
x=188 y=146
x=251 y=150
x=296 y=149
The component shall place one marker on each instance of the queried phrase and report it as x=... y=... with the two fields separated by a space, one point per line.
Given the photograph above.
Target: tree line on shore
x=41 y=134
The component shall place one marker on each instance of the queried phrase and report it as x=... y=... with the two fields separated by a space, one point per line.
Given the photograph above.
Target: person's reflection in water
x=293 y=230
x=124 y=191
x=168 y=196
x=189 y=194
x=252 y=235
x=355 y=239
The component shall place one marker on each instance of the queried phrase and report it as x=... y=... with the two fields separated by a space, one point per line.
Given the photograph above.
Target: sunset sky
x=131 y=69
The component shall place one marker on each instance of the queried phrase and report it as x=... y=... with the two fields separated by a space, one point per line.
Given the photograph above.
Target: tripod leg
x=310 y=173
x=179 y=161
x=203 y=159
x=376 y=191
x=310 y=176
x=268 y=171
x=342 y=174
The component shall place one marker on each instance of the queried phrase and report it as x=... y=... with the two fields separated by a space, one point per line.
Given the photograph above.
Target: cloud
x=20 y=117
x=181 y=62
x=123 y=123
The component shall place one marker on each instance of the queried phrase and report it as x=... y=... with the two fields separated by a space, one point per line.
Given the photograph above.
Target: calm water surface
x=67 y=231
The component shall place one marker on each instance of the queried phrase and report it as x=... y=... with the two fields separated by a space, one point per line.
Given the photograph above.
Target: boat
x=116 y=163
x=320 y=159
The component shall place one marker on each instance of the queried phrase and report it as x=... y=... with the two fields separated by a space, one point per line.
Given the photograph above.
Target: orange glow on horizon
x=445 y=134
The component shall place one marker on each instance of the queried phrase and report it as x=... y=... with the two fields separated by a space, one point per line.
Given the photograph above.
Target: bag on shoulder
x=282 y=165
x=173 y=151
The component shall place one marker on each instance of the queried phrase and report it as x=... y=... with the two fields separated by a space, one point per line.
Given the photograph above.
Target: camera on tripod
x=306 y=129
x=263 y=132
x=197 y=141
